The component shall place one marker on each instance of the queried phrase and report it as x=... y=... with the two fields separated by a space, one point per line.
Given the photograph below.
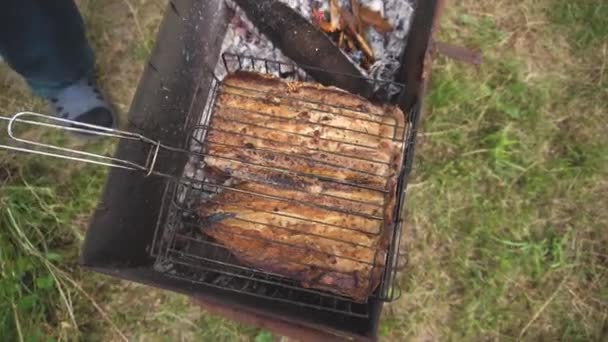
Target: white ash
x=399 y=13
x=243 y=38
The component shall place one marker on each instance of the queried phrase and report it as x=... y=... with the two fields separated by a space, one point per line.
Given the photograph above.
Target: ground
x=507 y=228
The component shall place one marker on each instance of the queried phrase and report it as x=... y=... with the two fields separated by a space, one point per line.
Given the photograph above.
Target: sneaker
x=83 y=102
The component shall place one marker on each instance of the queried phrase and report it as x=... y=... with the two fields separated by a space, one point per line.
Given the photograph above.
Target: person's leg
x=44 y=41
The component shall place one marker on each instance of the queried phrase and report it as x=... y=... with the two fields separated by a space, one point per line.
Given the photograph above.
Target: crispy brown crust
x=287 y=109
x=288 y=162
x=376 y=154
x=315 y=93
x=315 y=178
x=283 y=180
x=319 y=132
x=371 y=167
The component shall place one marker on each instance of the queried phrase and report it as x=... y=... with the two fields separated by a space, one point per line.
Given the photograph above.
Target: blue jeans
x=44 y=41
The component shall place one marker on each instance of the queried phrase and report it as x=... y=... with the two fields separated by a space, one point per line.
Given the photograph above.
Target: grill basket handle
x=60 y=152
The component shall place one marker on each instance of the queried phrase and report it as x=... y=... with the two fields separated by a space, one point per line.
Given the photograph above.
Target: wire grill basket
x=179 y=248
x=182 y=251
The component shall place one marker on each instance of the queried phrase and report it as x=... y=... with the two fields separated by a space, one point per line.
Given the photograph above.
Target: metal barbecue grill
x=146 y=227
x=179 y=247
x=182 y=252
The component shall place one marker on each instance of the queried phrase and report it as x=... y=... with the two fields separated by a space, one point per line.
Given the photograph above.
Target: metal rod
x=68 y=153
x=60 y=152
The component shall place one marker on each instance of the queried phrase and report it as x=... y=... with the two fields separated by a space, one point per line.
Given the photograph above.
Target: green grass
x=507 y=229
x=509 y=191
x=583 y=20
x=38 y=247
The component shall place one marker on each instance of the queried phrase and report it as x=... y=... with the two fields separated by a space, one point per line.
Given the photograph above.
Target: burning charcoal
x=349 y=25
x=348 y=22
x=341 y=40
x=354 y=6
x=335 y=12
x=365 y=47
x=243 y=38
x=399 y=13
x=374 y=19
x=350 y=44
x=376 y=42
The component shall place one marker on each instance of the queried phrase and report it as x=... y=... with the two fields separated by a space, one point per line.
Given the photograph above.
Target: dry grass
x=508 y=227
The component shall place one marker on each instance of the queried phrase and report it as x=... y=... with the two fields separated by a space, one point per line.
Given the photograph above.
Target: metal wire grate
x=183 y=252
